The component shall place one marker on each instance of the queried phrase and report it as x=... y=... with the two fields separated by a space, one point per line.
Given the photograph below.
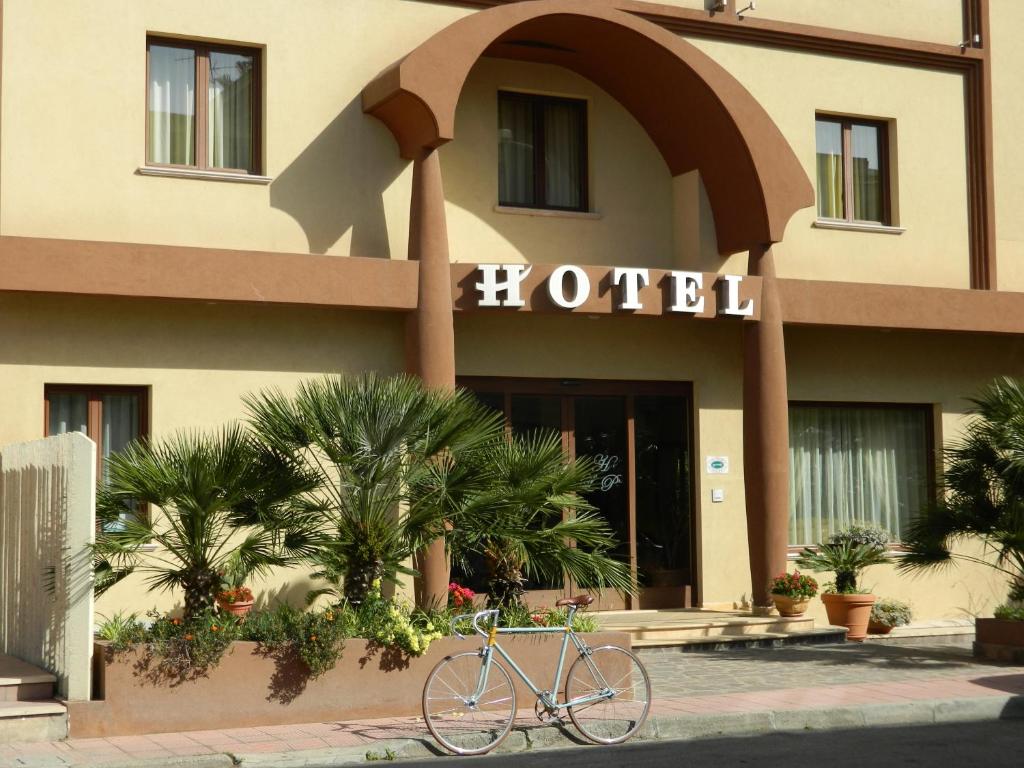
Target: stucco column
x=430 y=342
x=765 y=433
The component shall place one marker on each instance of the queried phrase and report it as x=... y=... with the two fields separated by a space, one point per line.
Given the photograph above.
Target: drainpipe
x=765 y=434
x=430 y=330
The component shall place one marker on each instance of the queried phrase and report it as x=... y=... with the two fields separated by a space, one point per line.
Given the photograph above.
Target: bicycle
x=469 y=700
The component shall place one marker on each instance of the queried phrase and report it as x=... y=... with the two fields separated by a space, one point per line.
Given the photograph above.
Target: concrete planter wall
x=999 y=640
x=249 y=688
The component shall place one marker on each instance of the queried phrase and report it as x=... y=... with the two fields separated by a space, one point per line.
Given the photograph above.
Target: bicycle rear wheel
x=460 y=724
x=620 y=679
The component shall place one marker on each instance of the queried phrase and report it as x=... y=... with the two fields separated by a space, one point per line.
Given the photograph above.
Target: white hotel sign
x=570 y=287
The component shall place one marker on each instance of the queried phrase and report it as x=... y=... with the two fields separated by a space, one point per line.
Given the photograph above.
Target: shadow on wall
x=337 y=184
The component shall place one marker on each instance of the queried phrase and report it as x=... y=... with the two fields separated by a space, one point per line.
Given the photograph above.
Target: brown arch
x=697 y=114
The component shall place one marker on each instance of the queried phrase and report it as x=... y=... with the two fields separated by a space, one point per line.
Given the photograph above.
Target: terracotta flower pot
x=238 y=608
x=850 y=611
x=790 y=606
x=875 y=628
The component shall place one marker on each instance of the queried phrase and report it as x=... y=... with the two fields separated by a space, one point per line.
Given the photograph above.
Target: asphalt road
x=971 y=745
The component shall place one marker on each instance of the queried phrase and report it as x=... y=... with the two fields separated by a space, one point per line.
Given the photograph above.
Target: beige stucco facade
x=72 y=141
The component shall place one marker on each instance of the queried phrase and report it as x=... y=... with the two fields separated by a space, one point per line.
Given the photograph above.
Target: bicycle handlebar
x=476 y=617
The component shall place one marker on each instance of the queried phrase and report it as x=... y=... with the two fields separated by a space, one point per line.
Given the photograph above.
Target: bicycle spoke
x=459 y=726
x=623 y=704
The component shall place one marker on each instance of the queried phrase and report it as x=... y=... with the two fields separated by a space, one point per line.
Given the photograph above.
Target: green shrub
x=1008 y=612
x=860 y=535
x=122 y=631
x=190 y=647
x=272 y=628
x=891 y=613
x=390 y=623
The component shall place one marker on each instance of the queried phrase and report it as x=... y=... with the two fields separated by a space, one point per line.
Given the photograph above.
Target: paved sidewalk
x=739 y=692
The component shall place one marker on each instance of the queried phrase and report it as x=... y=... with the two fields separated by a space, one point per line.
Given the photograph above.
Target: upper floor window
x=542 y=152
x=202 y=106
x=853 y=174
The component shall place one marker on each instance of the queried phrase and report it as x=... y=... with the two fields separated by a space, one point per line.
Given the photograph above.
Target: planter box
x=249 y=688
x=999 y=640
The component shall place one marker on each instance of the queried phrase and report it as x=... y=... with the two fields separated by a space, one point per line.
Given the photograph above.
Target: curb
x=669 y=728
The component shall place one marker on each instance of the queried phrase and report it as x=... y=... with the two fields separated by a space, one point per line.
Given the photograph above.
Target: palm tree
x=984 y=492
x=524 y=512
x=219 y=501
x=368 y=441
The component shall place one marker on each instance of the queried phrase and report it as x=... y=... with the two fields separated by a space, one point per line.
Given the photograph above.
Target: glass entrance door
x=638 y=434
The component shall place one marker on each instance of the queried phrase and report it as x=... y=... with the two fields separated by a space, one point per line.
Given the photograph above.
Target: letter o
x=556 y=287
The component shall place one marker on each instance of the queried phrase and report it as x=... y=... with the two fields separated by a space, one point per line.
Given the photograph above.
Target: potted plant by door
x=847 y=554
x=791 y=592
x=887 y=614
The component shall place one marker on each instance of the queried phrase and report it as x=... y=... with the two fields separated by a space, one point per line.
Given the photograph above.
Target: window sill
x=191 y=173
x=547 y=212
x=893 y=550
x=858 y=226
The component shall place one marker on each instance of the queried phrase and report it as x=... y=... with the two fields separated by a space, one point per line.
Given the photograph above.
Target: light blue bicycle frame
x=548 y=698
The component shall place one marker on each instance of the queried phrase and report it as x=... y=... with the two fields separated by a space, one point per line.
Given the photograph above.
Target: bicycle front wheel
x=614 y=692
x=461 y=722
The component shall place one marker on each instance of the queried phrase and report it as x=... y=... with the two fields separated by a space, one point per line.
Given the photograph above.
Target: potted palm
x=791 y=592
x=846 y=554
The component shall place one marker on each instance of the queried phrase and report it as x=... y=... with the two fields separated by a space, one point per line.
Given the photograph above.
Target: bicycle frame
x=549 y=698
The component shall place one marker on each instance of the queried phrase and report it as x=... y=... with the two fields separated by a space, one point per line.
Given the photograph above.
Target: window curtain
x=829 y=137
x=119 y=423
x=562 y=128
x=172 y=81
x=69 y=412
x=229 y=116
x=867 y=173
x=855 y=465
x=515 y=151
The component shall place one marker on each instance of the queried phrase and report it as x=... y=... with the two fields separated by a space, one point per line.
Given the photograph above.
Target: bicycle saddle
x=579 y=601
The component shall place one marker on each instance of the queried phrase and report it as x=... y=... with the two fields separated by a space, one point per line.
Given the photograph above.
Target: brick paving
x=779 y=679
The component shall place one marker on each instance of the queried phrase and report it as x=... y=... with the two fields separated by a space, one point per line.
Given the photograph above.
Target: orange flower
x=312 y=637
x=175 y=622
x=188 y=638
x=214 y=628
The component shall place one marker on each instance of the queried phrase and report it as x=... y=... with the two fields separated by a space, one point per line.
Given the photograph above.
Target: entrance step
x=817 y=636
x=695 y=629
x=28 y=711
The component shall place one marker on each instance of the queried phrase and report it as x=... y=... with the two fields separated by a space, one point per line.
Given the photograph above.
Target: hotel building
x=752 y=260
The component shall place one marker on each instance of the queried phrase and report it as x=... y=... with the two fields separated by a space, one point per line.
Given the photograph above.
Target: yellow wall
x=630 y=186
x=73 y=126
x=895 y=367
x=937 y=21
x=1008 y=116
x=339 y=187
x=197 y=359
x=928 y=110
